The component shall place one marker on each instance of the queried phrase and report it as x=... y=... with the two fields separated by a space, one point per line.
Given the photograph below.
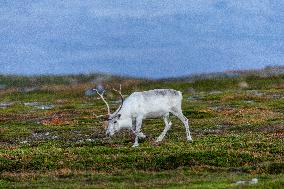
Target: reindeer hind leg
x=184 y=120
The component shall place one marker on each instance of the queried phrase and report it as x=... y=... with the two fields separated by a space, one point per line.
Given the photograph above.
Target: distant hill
x=265 y=72
x=7 y=81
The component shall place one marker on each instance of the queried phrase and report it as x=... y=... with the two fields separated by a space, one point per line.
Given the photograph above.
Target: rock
x=241 y=182
x=249 y=101
x=2 y=86
x=4 y=105
x=192 y=98
x=243 y=85
x=31 y=103
x=90 y=92
x=28 y=89
x=39 y=105
x=89 y=140
x=191 y=90
x=253 y=181
x=215 y=92
x=45 y=107
x=100 y=88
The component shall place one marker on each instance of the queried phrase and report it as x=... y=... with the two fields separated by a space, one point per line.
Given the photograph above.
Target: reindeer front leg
x=168 y=125
x=141 y=134
x=137 y=131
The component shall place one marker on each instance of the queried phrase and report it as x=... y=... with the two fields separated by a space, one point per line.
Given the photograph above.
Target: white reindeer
x=147 y=104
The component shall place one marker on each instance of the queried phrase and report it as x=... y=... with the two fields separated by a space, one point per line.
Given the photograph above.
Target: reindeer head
x=113 y=125
x=114 y=120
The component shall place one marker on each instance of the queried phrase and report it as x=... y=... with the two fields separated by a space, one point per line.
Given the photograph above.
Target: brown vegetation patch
x=67 y=88
x=17 y=117
x=53 y=121
x=278 y=86
x=83 y=86
x=229 y=98
x=278 y=134
x=248 y=115
x=271 y=128
x=32 y=175
x=56 y=120
x=2 y=130
x=8 y=91
x=130 y=83
x=20 y=176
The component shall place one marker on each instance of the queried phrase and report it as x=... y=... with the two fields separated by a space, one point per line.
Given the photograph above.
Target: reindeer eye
x=115 y=122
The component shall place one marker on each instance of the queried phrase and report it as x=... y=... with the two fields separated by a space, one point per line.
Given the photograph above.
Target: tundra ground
x=50 y=136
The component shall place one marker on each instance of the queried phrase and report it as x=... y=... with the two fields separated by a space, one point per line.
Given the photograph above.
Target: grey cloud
x=145 y=38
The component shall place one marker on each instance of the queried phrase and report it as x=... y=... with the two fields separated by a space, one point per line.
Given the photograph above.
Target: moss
x=237 y=133
x=275 y=168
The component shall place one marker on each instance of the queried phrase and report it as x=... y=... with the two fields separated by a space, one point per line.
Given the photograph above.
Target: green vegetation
x=50 y=136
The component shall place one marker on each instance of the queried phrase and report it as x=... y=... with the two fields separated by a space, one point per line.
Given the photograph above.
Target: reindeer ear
x=105 y=118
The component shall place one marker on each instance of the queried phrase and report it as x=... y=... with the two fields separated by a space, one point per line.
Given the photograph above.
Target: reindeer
x=147 y=104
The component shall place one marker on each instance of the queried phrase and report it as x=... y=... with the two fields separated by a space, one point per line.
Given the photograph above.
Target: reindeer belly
x=155 y=114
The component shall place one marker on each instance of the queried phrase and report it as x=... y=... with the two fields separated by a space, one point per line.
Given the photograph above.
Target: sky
x=145 y=38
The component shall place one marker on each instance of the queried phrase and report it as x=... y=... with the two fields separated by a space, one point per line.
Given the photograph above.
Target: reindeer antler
x=119 y=92
x=102 y=97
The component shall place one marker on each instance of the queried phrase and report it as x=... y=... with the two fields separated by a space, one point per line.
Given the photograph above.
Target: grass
x=237 y=131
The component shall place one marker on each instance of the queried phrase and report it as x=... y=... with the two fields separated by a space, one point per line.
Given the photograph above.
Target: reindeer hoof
x=141 y=135
x=159 y=139
x=189 y=139
x=135 y=145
